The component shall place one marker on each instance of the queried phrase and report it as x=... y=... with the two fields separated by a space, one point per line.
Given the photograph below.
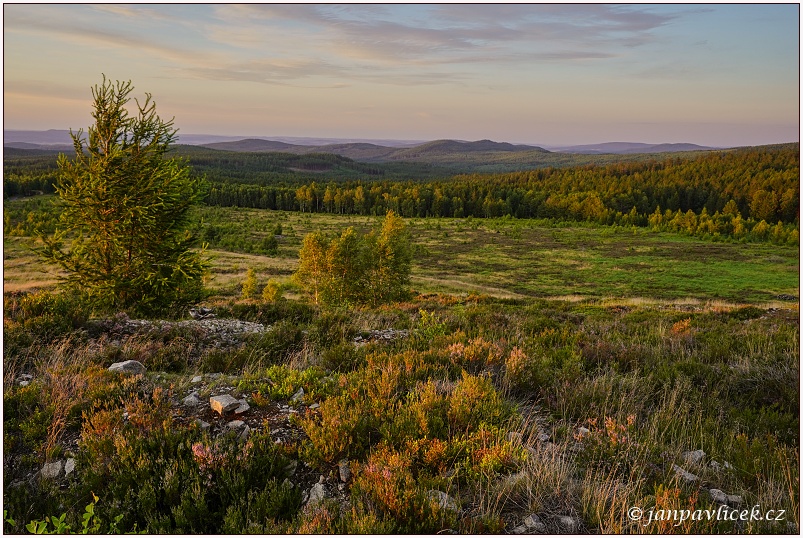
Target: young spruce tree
x=123 y=236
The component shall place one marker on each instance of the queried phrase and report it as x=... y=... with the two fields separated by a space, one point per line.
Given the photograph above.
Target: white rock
x=235 y=424
x=443 y=500
x=128 y=367
x=718 y=496
x=316 y=494
x=201 y=424
x=298 y=396
x=243 y=407
x=191 y=400
x=197 y=379
x=694 y=457
x=223 y=403
x=569 y=523
x=582 y=432
x=69 y=466
x=685 y=475
x=533 y=523
x=52 y=470
x=521 y=529
x=24 y=383
x=543 y=437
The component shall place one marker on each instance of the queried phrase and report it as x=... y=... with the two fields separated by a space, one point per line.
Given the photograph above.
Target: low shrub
x=169 y=479
x=386 y=493
x=40 y=318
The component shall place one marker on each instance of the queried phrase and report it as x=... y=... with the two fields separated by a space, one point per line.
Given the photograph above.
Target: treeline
x=28 y=172
x=751 y=193
x=288 y=169
x=257 y=168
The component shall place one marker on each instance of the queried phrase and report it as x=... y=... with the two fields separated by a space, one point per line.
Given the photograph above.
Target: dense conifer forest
x=750 y=193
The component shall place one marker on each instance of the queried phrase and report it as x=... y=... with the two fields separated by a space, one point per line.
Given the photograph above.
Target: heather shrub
x=166 y=478
x=608 y=444
x=386 y=489
x=39 y=318
x=268 y=313
x=280 y=382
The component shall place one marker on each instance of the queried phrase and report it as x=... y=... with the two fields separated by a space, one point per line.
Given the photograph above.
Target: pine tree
x=123 y=236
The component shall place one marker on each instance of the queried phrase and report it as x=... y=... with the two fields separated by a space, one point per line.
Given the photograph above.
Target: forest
x=744 y=194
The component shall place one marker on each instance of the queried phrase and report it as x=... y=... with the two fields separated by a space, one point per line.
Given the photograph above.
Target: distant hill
x=438 y=157
x=631 y=147
x=46 y=138
x=357 y=151
x=437 y=149
x=44 y=148
x=444 y=147
x=252 y=145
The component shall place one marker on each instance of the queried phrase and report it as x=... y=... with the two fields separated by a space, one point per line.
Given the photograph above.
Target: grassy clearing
x=509 y=259
x=503 y=258
x=23 y=269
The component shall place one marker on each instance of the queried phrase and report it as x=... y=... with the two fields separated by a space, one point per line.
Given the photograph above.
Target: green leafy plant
x=90 y=523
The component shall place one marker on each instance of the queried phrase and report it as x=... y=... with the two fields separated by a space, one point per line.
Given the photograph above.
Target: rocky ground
x=213 y=402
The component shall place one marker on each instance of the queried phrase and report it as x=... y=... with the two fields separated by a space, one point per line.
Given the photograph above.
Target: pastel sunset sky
x=718 y=75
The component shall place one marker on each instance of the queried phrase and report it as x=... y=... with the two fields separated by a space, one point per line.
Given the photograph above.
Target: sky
x=557 y=74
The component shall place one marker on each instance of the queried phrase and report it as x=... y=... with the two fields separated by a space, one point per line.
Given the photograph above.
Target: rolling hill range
x=443 y=157
x=624 y=148
x=437 y=149
x=450 y=156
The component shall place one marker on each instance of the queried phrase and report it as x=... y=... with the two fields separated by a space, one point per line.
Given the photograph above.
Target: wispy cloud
x=313 y=74
x=454 y=33
x=267 y=71
x=301 y=44
x=446 y=44
x=77 y=30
